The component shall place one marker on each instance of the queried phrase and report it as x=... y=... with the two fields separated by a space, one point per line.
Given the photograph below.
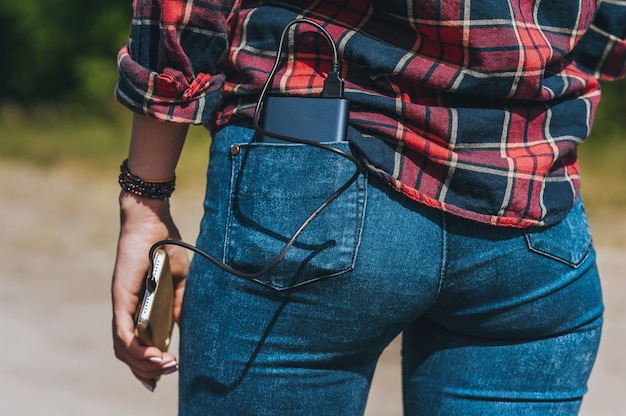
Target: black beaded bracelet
x=133 y=184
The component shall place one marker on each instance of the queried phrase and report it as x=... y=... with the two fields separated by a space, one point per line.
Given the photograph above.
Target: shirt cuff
x=168 y=95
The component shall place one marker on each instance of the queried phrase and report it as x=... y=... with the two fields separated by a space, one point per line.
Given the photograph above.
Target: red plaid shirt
x=473 y=107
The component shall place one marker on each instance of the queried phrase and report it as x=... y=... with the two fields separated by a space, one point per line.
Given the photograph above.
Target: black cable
x=335 y=69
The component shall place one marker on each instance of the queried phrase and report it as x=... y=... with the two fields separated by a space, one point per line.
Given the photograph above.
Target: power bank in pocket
x=307 y=118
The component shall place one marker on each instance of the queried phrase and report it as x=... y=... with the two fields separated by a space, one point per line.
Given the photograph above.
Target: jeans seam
x=444 y=257
x=362 y=222
x=228 y=209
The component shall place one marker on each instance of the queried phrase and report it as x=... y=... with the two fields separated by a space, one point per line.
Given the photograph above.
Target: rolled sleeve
x=168 y=70
x=602 y=49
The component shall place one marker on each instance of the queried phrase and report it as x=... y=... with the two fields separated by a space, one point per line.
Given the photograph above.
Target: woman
x=464 y=230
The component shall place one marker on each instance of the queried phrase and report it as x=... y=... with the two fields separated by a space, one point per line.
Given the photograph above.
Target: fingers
x=179 y=262
x=148 y=364
x=151 y=370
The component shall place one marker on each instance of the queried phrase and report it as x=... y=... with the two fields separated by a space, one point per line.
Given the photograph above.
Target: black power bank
x=307 y=118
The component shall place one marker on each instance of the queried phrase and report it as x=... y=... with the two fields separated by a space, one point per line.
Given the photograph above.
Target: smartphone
x=155 y=314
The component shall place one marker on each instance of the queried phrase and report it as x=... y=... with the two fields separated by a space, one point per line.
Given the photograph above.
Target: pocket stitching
x=574 y=225
x=574 y=264
x=360 y=195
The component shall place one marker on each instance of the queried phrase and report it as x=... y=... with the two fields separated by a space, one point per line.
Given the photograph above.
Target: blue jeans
x=494 y=320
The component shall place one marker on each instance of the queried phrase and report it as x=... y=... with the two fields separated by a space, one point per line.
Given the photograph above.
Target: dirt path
x=57 y=238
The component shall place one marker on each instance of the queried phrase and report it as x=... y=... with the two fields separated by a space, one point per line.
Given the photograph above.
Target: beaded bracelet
x=159 y=189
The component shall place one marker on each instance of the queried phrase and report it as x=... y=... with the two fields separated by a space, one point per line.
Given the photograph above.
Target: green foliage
x=59 y=49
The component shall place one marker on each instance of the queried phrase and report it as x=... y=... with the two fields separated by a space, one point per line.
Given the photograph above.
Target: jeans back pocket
x=273 y=189
x=569 y=241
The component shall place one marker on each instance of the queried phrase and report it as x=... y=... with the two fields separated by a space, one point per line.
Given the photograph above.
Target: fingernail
x=148 y=386
x=156 y=359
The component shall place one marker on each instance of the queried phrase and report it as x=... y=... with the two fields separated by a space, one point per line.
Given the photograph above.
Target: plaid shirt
x=474 y=107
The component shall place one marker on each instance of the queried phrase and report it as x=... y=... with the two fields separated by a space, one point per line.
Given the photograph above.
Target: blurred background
x=62 y=138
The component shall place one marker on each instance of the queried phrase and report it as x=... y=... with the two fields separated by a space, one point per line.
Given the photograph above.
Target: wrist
x=148 y=220
x=159 y=189
x=132 y=205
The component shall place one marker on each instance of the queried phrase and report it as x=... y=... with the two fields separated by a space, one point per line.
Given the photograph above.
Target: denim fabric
x=269 y=203
x=495 y=320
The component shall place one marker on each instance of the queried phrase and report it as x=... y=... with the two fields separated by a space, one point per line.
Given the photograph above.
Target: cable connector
x=333 y=85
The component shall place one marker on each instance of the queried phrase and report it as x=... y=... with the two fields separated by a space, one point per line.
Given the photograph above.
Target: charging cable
x=333 y=88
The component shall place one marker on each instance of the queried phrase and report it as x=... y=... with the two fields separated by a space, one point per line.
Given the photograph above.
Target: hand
x=143 y=222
